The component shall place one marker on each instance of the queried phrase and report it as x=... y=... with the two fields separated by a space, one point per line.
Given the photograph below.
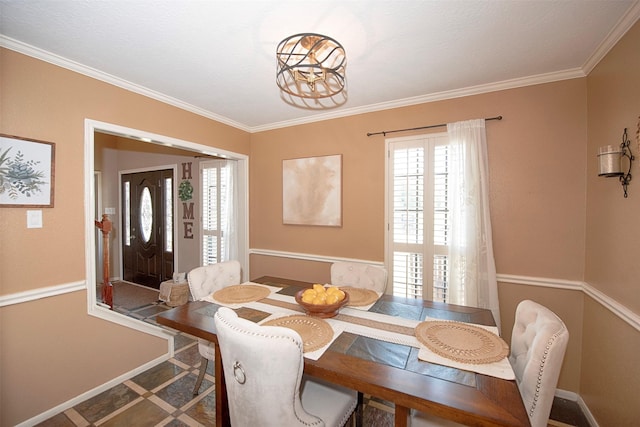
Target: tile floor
x=162 y=395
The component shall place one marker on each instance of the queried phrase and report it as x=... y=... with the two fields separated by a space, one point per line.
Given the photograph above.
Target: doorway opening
x=147 y=268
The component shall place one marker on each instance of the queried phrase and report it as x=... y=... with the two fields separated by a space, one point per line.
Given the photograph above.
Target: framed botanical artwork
x=26 y=172
x=312 y=191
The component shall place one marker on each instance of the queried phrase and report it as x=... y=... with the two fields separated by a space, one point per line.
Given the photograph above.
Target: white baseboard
x=587 y=413
x=568 y=395
x=96 y=391
x=574 y=397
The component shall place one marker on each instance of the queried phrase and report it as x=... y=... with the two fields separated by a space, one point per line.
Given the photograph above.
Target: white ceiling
x=217 y=58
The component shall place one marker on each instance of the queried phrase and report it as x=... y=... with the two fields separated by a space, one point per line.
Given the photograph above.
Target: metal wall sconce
x=610 y=161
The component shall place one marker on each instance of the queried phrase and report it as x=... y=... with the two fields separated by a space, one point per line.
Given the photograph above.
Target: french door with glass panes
x=418 y=232
x=147 y=227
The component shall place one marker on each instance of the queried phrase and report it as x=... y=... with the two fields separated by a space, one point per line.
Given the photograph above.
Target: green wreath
x=185 y=191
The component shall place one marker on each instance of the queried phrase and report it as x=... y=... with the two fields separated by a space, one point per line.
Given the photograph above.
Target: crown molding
x=60 y=61
x=423 y=99
x=614 y=36
x=624 y=24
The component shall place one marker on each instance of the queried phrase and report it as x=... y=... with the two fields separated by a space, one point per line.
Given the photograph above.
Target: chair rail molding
x=544 y=282
x=633 y=319
x=97 y=310
x=618 y=309
x=39 y=293
x=309 y=257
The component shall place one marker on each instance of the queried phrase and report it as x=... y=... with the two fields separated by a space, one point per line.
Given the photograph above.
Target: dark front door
x=147 y=227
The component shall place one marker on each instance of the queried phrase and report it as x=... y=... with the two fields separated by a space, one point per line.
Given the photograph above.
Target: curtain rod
x=385 y=132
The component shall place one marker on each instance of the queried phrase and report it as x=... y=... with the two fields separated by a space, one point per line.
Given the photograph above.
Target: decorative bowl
x=323 y=311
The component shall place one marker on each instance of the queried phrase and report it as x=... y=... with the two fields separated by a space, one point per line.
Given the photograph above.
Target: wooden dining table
x=388 y=371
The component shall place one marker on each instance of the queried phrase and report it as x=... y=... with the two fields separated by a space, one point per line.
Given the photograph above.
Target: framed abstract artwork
x=312 y=191
x=26 y=172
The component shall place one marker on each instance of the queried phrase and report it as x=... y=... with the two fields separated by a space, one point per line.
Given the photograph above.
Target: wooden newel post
x=107 y=287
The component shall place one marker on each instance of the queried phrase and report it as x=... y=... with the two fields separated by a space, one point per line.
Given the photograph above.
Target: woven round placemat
x=359 y=297
x=315 y=333
x=462 y=342
x=237 y=294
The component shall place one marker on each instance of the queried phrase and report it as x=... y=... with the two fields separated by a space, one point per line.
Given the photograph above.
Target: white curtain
x=472 y=280
x=230 y=211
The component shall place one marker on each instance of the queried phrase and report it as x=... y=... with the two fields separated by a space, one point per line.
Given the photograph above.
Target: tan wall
x=537 y=180
x=610 y=375
x=51 y=349
x=542 y=175
x=305 y=270
x=612 y=220
x=536 y=161
x=610 y=372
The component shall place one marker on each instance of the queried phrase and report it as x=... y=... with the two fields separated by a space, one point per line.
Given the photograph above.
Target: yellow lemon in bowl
x=309 y=292
x=333 y=298
x=308 y=298
x=319 y=288
x=320 y=299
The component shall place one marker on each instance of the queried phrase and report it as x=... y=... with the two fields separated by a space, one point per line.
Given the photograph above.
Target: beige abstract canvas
x=312 y=191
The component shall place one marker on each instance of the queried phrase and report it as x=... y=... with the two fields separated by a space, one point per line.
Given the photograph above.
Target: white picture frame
x=27 y=172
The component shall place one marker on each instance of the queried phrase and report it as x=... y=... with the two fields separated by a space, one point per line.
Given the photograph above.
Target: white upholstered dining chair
x=204 y=281
x=263 y=368
x=538 y=343
x=359 y=275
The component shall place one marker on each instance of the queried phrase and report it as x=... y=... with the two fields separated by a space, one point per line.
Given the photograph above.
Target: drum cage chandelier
x=311 y=66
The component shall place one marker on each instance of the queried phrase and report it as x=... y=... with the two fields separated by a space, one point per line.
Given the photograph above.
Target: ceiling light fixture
x=311 y=66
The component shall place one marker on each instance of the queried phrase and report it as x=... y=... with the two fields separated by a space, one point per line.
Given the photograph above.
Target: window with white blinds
x=214 y=213
x=418 y=215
